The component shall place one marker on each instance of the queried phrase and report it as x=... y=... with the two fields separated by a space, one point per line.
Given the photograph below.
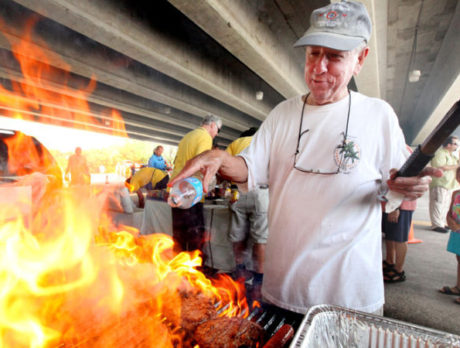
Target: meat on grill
x=195 y=309
x=189 y=311
x=198 y=318
x=224 y=332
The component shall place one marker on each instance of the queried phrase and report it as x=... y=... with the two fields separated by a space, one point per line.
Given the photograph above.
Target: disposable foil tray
x=334 y=326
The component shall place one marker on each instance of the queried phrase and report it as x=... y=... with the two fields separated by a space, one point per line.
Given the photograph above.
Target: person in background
x=157 y=160
x=327 y=157
x=215 y=144
x=132 y=169
x=188 y=224
x=147 y=178
x=453 y=245
x=78 y=169
x=249 y=218
x=396 y=226
x=441 y=188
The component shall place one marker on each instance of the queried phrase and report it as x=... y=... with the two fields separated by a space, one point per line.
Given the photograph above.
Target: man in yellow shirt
x=188 y=224
x=249 y=219
x=148 y=178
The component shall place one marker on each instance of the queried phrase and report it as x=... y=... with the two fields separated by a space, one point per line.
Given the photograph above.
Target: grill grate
x=273 y=319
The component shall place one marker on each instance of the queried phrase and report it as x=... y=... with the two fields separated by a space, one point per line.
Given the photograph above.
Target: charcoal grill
x=272 y=319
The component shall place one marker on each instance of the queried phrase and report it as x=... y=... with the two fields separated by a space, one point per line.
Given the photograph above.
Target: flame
x=34 y=97
x=25 y=156
x=68 y=276
x=71 y=278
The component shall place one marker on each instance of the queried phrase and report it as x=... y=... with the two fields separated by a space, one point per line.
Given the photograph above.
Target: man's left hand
x=415 y=186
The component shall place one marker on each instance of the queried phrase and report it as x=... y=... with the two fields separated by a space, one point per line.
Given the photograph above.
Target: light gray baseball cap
x=341 y=26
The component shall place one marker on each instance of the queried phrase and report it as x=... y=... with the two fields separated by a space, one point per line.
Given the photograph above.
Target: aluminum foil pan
x=334 y=326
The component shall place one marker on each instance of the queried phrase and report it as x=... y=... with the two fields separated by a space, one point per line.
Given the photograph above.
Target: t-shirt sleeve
x=230 y=149
x=257 y=154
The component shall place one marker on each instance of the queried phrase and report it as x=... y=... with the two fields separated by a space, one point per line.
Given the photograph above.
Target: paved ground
x=428 y=267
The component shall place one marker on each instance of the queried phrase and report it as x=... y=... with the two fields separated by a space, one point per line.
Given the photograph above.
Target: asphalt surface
x=428 y=268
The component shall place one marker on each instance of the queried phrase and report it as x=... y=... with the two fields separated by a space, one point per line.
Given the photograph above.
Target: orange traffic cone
x=411 y=239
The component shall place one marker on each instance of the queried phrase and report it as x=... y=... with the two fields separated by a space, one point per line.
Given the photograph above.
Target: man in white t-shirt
x=326 y=157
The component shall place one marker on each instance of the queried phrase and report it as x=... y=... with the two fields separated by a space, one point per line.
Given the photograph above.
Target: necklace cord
x=301 y=123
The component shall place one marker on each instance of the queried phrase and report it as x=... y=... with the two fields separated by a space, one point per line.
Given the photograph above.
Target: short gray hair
x=360 y=47
x=212 y=119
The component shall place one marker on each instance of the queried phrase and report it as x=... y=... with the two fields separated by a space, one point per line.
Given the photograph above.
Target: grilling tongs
x=425 y=152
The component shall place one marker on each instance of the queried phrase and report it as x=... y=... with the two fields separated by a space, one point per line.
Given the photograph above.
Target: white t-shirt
x=324 y=245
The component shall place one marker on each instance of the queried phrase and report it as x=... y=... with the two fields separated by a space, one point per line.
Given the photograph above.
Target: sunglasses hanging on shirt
x=344 y=151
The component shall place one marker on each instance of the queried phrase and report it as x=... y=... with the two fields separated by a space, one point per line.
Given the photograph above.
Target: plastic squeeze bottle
x=185 y=193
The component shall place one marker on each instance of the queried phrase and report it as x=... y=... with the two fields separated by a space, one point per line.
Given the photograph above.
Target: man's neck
x=207 y=127
x=311 y=100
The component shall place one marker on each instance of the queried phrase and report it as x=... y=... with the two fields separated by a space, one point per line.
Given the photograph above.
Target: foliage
x=111 y=157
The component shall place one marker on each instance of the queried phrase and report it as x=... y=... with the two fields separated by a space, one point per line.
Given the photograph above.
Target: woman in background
x=453 y=245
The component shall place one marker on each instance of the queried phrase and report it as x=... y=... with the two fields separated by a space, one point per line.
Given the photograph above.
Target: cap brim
x=330 y=40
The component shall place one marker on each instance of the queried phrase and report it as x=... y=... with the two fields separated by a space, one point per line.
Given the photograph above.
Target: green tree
x=135 y=151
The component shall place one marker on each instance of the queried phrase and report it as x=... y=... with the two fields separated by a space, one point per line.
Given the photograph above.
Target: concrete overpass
x=165 y=64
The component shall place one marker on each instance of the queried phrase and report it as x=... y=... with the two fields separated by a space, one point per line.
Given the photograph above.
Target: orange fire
x=34 y=96
x=26 y=156
x=68 y=277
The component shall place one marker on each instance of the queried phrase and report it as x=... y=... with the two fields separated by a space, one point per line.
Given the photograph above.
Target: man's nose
x=320 y=64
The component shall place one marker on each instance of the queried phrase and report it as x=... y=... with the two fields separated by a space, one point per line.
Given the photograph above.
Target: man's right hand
x=208 y=163
x=415 y=186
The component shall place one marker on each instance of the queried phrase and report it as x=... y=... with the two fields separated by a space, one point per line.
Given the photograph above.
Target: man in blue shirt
x=157 y=161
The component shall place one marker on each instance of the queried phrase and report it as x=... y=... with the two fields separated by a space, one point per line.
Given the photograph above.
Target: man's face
x=328 y=71
x=453 y=145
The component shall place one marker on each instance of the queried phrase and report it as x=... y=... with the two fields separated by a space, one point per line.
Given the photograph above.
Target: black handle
x=415 y=163
x=425 y=152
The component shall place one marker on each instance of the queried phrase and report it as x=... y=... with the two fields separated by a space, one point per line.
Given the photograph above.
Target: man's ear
x=361 y=57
